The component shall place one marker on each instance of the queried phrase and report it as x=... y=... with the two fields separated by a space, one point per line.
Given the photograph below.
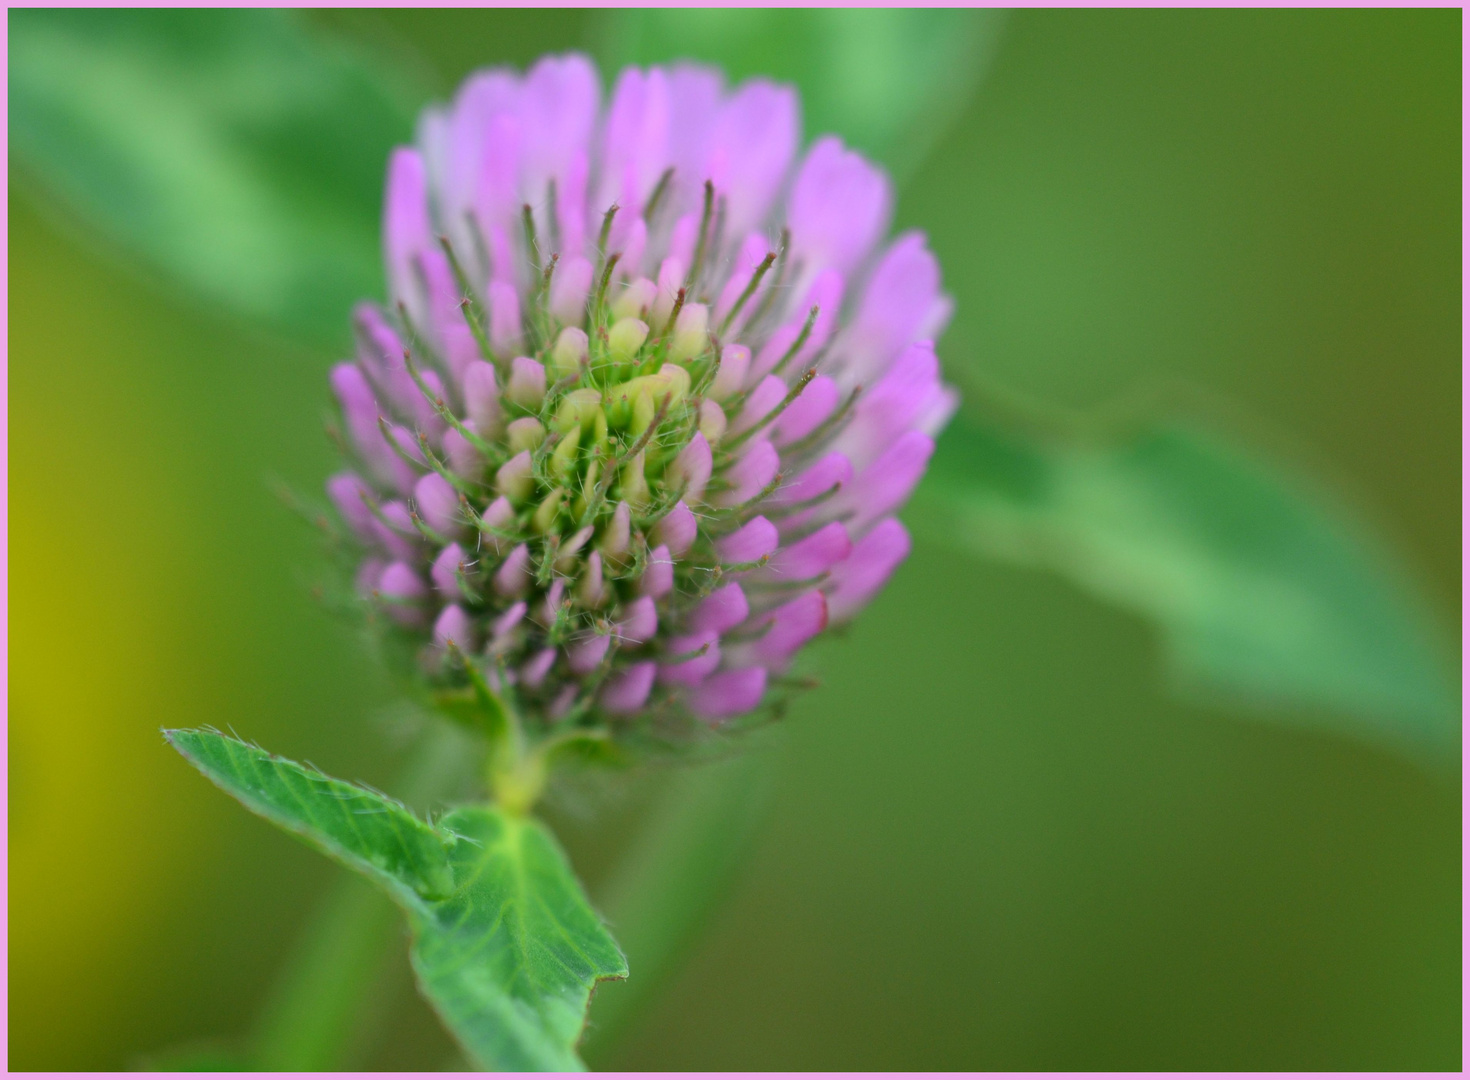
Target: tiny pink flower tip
x=754 y=143
x=395 y=531
x=508 y=620
x=590 y=591
x=453 y=624
x=569 y=288
x=583 y=657
x=658 y=577
x=699 y=655
x=626 y=692
x=348 y=492
x=406 y=229
x=516 y=478
x=447 y=568
x=482 y=398
x=681 y=241
x=369 y=571
x=535 y=670
x=438 y=504
x=734 y=367
x=546 y=612
x=864 y=572
x=728 y=694
x=792 y=625
x=677 y=529
x=514 y=577
x=464 y=458
x=901 y=304
x=639 y=622
x=402 y=591
x=753 y=541
x=908 y=393
x=505 y=316
x=690 y=470
x=527 y=383
x=498 y=515
x=562 y=704
x=614 y=542
x=722 y=610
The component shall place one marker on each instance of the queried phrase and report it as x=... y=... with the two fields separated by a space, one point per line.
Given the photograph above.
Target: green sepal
x=507 y=947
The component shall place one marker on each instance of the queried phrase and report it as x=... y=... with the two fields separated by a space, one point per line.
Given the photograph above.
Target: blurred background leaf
x=234 y=151
x=1261 y=592
x=1053 y=866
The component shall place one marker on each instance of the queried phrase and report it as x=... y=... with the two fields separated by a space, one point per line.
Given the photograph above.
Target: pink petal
x=753 y=145
x=584 y=656
x=534 y=670
x=639 y=622
x=677 y=530
x=627 y=691
x=886 y=484
x=750 y=543
x=514 y=576
x=691 y=671
x=859 y=578
x=814 y=555
x=807 y=411
x=724 y=609
x=839 y=206
x=728 y=694
x=347 y=491
x=438 y=504
x=748 y=477
x=908 y=393
x=769 y=393
x=792 y=625
x=690 y=470
x=658 y=577
x=406 y=227
x=453 y=625
x=443 y=572
x=901 y=304
x=395 y=530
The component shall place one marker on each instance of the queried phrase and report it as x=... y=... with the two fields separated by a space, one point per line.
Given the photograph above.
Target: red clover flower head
x=647 y=397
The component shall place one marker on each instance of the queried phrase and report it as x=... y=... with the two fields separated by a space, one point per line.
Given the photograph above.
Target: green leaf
x=510 y=961
x=887 y=80
x=234 y=151
x=1263 y=589
x=363 y=829
x=506 y=946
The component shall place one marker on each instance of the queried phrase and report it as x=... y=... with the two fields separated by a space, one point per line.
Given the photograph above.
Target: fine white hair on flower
x=648 y=391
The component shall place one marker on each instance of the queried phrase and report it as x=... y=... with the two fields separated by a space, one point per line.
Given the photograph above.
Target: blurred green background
x=991 y=841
